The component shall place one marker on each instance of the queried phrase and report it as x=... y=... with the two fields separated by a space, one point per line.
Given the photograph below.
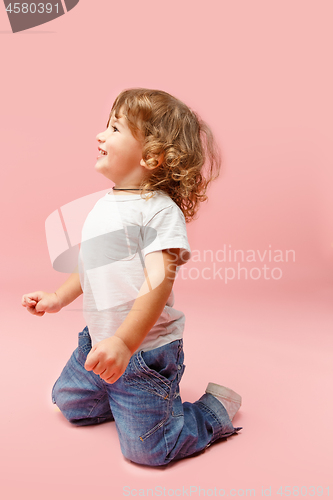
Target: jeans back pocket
x=139 y=375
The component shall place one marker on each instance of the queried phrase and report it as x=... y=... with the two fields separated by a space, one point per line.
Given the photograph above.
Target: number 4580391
x=302 y=491
x=31 y=8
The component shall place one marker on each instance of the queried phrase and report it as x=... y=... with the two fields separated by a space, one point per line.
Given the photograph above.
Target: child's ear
x=144 y=164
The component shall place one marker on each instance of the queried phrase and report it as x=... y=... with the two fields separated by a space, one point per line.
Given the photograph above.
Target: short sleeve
x=167 y=229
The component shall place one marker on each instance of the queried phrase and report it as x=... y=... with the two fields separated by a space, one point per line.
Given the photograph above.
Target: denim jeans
x=153 y=424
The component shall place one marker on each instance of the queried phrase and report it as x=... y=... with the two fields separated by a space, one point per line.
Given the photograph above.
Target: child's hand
x=108 y=359
x=38 y=303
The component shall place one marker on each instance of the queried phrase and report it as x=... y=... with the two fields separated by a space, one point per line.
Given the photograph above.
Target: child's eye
x=115 y=129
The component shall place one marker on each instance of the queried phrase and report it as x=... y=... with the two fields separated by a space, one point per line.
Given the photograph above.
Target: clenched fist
x=108 y=359
x=39 y=303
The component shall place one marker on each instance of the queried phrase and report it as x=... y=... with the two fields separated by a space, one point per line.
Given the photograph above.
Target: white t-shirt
x=117 y=235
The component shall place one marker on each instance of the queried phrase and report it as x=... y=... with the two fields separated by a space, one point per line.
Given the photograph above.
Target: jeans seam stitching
x=97 y=403
x=153 y=430
x=156 y=375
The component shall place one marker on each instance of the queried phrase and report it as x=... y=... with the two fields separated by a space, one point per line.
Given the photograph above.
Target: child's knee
x=146 y=455
x=147 y=460
x=57 y=397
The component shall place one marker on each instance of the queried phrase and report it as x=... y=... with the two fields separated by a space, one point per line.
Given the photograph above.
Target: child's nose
x=100 y=138
x=102 y=135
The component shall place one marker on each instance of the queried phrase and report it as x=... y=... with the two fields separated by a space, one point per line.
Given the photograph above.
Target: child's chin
x=101 y=171
x=98 y=167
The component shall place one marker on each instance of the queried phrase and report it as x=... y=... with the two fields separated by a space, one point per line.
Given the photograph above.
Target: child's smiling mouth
x=102 y=153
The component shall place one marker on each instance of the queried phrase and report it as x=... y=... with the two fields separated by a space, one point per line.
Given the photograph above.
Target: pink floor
x=272 y=344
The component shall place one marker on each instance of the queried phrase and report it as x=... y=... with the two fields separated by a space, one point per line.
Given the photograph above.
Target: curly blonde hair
x=178 y=147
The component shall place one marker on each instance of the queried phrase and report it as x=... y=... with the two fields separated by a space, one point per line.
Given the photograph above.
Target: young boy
x=129 y=360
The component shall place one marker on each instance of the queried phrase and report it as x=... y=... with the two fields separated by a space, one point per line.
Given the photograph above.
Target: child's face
x=122 y=162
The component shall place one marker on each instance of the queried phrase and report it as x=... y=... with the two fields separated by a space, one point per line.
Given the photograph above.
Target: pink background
x=260 y=74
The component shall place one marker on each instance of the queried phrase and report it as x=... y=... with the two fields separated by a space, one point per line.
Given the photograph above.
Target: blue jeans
x=153 y=424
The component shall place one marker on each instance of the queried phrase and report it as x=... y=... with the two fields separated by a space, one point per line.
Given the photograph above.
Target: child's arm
x=109 y=358
x=39 y=303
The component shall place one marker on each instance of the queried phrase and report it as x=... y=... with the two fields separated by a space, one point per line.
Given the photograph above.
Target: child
x=129 y=359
